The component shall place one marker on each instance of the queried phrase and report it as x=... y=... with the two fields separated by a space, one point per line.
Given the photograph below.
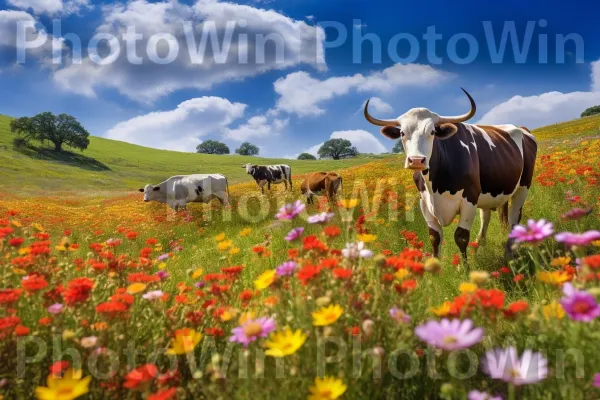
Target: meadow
x=105 y=296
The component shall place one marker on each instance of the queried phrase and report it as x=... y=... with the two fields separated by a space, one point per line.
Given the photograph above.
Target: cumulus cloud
x=288 y=43
x=51 y=7
x=179 y=129
x=364 y=142
x=257 y=127
x=302 y=94
x=546 y=108
x=377 y=105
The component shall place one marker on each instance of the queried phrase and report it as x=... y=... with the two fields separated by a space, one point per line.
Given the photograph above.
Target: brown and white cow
x=319 y=183
x=459 y=167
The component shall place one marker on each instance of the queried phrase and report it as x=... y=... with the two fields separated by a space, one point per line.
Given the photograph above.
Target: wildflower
x=290 y=211
x=33 y=283
x=164 y=394
x=366 y=238
x=505 y=364
x=467 y=287
x=553 y=277
x=281 y=344
x=553 y=310
x=327 y=315
x=265 y=279
x=534 y=233
x=327 y=388
x=477 y=395
x=88 y=342
x=245 y=231
x=449 y=334
x=220 y=237
x=479 y=277
x=356 y=250
x=55 y=308
x=111 y=309
x=78 y=290
x=399 y=315
x=162 y=275
x=9 y=296
x=433 y=265
x=252 y=329
x=443 y=310
x=153 y=295
x=596 y=382
x=294 y=234
x=560 y=261
x=577 y=239
x=332 y=231
x=66 y=387
x=136 y=288
x=321 y=218
x=342 y=273
x=307 y=273
x=21 y=330
x=140 y=378
x=577 y=213
x=349 y=203
x=579 y=305
x=224 y=245
x=516 y=308
x=185 y=341
x=16 y=242
x=163 y=257
x=287 y=268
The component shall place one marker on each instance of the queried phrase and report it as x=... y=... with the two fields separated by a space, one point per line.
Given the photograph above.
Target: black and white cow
x=179 y=190
x=459 y=167
x=270 y=174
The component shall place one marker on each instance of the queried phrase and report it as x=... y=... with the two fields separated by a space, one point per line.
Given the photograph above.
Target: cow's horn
x=378 y=122
x=461 y=118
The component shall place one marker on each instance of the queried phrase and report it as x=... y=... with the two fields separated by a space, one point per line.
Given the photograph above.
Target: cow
x=319 y=183
x=270 y=174
x=179 y=190
x=459 y=167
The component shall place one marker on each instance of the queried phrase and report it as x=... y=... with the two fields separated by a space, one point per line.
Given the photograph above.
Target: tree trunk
x=58 y=146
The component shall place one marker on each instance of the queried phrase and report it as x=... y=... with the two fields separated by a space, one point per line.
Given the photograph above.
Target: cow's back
x=314 y=182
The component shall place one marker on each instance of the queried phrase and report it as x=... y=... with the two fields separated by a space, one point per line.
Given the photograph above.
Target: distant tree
x=212 y=147
x=306 y=156
x=247 y=149
x=60 y=130
x=398 y=147
x=337 y=149
x=591 y=111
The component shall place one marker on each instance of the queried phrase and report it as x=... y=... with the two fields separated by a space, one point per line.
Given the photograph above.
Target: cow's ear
x=156 y=189
x=391 y=132
x=141 y=190
x=445 y=131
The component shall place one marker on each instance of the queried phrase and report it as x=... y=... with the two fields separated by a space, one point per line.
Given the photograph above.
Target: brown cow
x=319 y=182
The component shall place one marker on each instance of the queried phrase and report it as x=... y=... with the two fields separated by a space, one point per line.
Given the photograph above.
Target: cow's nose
x=416 y=162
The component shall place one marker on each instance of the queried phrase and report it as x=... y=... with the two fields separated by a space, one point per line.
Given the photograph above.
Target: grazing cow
x=179 y=190
x=459 y=167
x=318 y=183
x=270 y=174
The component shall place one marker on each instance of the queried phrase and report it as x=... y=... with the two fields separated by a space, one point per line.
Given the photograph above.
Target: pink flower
x=153 y=295
x=55 y=308
x=596 y=382
x=399 y=315
x=477 y=395
x=294 y=234
x=505 y=364
x=579 y=305
x=449 y=334
x=577 y=239
x=576 y=213
x=320 y=218
x=252 y=329
x=534 y=233
x=287 y=268
x=290 y=211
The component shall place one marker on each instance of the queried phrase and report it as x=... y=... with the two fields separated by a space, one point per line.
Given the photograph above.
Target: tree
x=337 y=149
x=59 y=130
x=212 y=147
x=398 y=147
x=591 y=111
x=247 y=149
x=306 y=156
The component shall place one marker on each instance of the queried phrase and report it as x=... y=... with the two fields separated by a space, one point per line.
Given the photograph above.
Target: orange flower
x=140 y=378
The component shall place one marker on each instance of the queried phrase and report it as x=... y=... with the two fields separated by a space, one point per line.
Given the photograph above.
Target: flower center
x=581 y=307
x=64 y=391
x=331 y=316
x=450 y=339
x=326 y=394
x=252 y=329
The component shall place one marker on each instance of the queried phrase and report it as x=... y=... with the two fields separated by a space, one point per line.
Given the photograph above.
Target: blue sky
x=292 y=106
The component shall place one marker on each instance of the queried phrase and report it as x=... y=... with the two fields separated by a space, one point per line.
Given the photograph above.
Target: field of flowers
x=108 y=297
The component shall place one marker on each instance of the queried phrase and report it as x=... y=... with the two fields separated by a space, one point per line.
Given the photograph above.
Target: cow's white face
x=248 y=167
x=151 y=192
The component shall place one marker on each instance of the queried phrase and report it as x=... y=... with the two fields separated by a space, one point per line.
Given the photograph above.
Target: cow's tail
x=503 y=214
x=289 y=177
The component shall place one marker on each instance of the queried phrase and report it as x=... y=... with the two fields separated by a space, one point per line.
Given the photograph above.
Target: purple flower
x=579 y=305
x=287 y=268
x=290 y=211
x=577 y=213
x=320 y=218
x=596 y=381
x=200 y=284
x=252 y=329
x=163 y=257
x=162 y=275
x=294 y=234
x=399 y=315
x=449 y=334
x=55 y=308
x=153 y=295
x=477 y=395
x=534 y=233
x=356 y=250
x=506 y=365
x=577 y=239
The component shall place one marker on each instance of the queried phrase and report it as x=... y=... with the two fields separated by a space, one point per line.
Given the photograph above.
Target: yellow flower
x=24 y=250
x=366 y=238
x=560 y=261
x=135 y=288
x=596 y=243
x=327 y=388
x=197 y=273
x=246 y=316
x=265 y=279
x=224 y=245
x=228 y=314
x=467 y=287
x=68 y=334
x=442 y=310
x=349 y=203
x=285 y=343
x=68 y=387
x=162 y=265
x=234 y=250
x=38 y=227
x=185 y=341
x=245 y=231
x=220 y=237
x=327 y=315
x=553 y=310
x=401 y=273
x=553 y=277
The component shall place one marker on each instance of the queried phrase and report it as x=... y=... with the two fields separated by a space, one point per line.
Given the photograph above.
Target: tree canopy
x=212 y=147
x=591 y=111
x=306 y=156
x=60 y=130
x=247 y=149
x=337 y=149
x=398 y=147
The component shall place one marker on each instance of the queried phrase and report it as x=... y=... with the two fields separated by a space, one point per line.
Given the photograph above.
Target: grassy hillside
x=109 y=164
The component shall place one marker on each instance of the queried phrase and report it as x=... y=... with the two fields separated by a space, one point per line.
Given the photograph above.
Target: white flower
x=88 y=342
x=356 y=250
x=320 y=218
x=153 y=295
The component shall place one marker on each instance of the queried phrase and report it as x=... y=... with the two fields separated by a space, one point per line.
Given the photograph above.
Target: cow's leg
x=515 y=210
x=436 y=233
x=291 y=187
x=285 y=182
x=485 y=221
x=463 y=232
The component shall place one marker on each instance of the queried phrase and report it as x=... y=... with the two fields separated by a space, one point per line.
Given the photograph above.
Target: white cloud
x=546 y=108
x=256 y=127
x=302 y=94
x=51 y=7
x=301 y=44
x=181 y=128
x=378 y=105
x=364 y=142
x=8 y=26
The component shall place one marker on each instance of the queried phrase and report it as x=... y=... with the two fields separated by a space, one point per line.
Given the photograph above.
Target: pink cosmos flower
x=321 y=218
x=449 y=334
x=55 y=308
x=287 y=268
x=577 y=239
x=294 y=234
x=534 y=233
x=577 y=213
x=596 y=381
x=399 y=315
x=290 y=211
x=579 y=305
x=153 y=295
x=252 y=329
x=505 y=364
x=477 y=395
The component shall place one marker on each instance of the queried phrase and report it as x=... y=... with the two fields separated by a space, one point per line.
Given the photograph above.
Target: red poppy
x=140 y=377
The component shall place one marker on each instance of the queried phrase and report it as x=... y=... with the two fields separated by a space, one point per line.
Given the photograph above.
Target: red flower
x=151 y=241
x=7 y=323
x=9 y=296
x=307 y=273
x=59 y=367
x=217 y=332
x=16 y=242
x=342 y=273
x=293 y=253
x=142 y=277
x=21 y=330
x=34 y=283
x=131 y=235
x=329 y=263
x=165 y=394
x=140 y=377
x=518 y=278
x=516 y=308
x=111 y=309
x=232 y=271
x=246 y=295
x=332 y=231
x=78 y=290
